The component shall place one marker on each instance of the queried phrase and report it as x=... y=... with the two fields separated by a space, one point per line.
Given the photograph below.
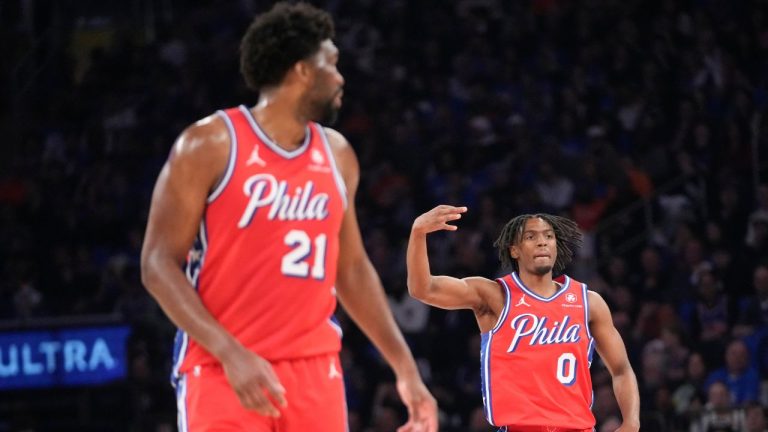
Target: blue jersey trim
x=505 y=311
x=485 y=374
x=193 y=269
x=586 y=309
x=181 y=405
x=334 y=323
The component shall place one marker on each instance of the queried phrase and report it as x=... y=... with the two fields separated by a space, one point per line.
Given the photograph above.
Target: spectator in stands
x=88 y=128
x=741 y=378
x=719 y=414
x=689 y=397
x=755 y=418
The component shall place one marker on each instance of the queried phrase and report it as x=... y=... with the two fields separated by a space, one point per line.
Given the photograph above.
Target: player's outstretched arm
x=611 y=348
x=193 y=168
x=441 y=291
x=360 y=292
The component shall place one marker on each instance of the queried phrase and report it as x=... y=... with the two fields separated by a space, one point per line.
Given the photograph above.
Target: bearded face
x=322 y=100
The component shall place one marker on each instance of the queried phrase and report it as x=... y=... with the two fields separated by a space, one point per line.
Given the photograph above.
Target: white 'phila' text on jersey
x=536 y=327
x=264 y=190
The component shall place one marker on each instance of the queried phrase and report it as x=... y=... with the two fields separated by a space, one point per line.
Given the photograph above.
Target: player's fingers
x=277 y=392
x=248 y=401
x=446 y=209
x=274 y=388
x=450 y=217
x=266 y=407
x=421 y=418
x=260 y=403
x=425 y=415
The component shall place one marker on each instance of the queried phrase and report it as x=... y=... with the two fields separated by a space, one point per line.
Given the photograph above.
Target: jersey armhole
x=232 y=158
x=505 y=311
x=586 y=309
x=336 y=173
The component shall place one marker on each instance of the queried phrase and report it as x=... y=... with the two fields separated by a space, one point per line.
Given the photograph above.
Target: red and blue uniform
x=535 y=361
x=264 y=260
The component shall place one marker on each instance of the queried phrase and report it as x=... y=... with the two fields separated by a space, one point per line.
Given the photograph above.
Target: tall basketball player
x=538 y=332
x=252 y=235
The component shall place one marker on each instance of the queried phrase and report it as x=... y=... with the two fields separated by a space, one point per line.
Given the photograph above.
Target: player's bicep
x=351 y=243
x=173 y=214
x=180 y=193
x=448 y=292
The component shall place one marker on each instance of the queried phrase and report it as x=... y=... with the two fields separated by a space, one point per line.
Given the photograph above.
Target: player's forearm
x=417 y=262
x=628 y=397
x=360 y=292
x=178 y=299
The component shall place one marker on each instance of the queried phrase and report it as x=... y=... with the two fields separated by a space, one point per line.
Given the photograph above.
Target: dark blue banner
x=62 y=357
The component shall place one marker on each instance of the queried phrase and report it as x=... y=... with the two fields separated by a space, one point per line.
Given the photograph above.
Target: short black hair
x=567 y=235
x=277 y=39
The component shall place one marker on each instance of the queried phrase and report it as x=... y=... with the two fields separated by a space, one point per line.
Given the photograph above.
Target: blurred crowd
x=646 y=122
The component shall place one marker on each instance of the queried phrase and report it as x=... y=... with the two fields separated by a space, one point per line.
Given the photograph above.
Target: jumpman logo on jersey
x=255 y=159
x=522 y=302
x=333 y=372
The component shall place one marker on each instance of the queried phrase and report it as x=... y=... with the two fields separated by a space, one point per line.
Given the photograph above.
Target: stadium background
x=644 y=121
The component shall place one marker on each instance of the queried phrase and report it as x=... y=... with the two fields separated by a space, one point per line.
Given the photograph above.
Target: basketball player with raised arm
x=538 y=332
x=252 y=235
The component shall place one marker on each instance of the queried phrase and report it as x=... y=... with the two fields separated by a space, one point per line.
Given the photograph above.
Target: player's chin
x=542 y=270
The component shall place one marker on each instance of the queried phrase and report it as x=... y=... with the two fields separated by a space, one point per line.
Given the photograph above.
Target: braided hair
x=567 y=235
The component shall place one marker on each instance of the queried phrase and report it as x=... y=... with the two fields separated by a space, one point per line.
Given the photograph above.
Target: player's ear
x=514 y=252
x=301 y=70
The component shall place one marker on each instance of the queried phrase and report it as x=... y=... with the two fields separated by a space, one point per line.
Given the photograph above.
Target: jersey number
x=566 y=368
x=295 y=261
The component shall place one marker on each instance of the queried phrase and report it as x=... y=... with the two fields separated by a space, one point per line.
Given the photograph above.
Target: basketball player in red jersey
x=538 y=333
x=252 y=234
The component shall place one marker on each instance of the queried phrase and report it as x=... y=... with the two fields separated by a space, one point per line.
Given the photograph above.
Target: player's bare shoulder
x=208 y=136
x=598 y=308
x=594 y=297
x=490 y=293
x=203 y=147
x=336 y=139
x=344 y=154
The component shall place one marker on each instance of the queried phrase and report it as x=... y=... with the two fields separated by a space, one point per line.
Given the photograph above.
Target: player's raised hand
x=422 y=407
x=438 y=219
x=254 y=382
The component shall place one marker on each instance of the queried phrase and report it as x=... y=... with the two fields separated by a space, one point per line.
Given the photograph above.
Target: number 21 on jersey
x=303 y=249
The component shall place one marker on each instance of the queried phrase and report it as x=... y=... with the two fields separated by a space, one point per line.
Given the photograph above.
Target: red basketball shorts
x=314 y=389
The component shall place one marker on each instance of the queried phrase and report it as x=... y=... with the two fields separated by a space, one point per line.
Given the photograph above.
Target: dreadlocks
x=567 y=235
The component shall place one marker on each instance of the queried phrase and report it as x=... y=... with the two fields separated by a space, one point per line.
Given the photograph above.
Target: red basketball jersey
x=264 y=261
x=535 y=361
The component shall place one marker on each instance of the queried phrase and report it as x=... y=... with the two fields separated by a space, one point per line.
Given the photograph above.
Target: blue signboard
x=69 y=356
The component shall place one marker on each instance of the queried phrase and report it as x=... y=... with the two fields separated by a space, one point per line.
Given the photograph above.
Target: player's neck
x=541 y=285
x=278 y=119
